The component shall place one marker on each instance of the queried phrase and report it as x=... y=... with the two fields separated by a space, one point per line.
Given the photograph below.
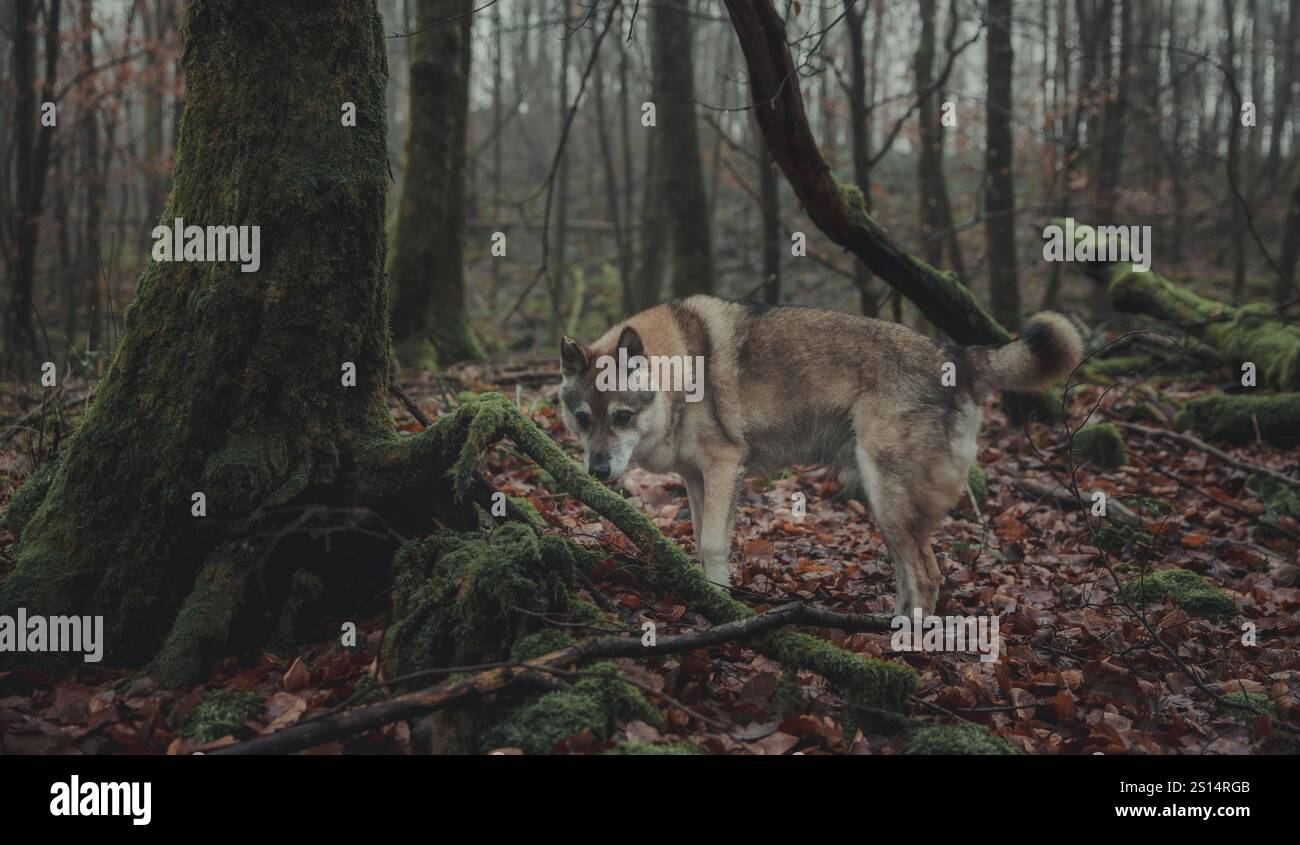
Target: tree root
x=455 y=445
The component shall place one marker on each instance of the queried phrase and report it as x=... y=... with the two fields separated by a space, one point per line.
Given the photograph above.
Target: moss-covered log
x=1249 y=333
x=1239 y=418
x=228 y=383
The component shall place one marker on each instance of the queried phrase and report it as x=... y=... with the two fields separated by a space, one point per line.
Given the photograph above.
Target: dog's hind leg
x=695 y=497
x=904 y=517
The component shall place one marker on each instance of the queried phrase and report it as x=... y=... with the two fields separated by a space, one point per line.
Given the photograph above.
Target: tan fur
x=798 y=386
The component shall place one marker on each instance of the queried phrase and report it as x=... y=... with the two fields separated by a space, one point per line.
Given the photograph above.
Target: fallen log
x=1246 y=334
x=1239 y=418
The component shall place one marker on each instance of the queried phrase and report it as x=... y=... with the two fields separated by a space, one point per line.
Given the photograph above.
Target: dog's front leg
x=721 y=479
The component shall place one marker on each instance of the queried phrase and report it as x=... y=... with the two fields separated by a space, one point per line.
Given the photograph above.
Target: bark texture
x=230 y=383
x=427 y=266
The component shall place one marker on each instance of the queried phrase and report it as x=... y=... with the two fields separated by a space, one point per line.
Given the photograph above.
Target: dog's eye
x=622 y=418
x=583 y=418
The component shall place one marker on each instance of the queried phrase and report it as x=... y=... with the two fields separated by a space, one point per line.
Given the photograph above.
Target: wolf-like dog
x=893 y=412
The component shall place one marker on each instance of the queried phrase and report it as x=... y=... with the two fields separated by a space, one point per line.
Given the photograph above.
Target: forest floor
x=1079 y=671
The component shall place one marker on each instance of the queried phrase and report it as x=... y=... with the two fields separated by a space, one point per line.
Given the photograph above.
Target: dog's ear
x=574 y=356
x=631 y=341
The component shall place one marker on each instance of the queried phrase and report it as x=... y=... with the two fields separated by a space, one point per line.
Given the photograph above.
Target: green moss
x=788 y=700
x=1248 y=333
x=202 y=626
x=1280 y=499
x=456 y=597
x=646 y=749
x=222 y=712
x=957 y=739
x=540 y=642
x=593 y=703
x=27 y=498
x=1189 y=591
x=300 y=613
x=1257 y=702
x=1101 y=445
x=1124 y=364
x=530 y=513
x=1272 y=346
x=978 y=482
x=1241 y=418
x=1116 y=537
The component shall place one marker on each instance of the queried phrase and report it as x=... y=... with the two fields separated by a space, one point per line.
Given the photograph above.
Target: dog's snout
x=599 y=466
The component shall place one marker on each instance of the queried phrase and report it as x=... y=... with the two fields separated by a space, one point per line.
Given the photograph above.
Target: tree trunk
x=1284 y=287
x=1284 y=76
x=860 y=138
x=31 y=163
x=999 y=191
x=93 y=178
x=559 y=277
x=679 y=170
x=430 y=323
x=770 y=203
x=229 y=383
x=929 y=162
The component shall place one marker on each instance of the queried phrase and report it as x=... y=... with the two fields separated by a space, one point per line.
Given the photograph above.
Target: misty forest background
x=1117 y=113
x=895 y=158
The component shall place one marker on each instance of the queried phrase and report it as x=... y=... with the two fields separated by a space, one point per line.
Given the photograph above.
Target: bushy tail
x=1048 y=348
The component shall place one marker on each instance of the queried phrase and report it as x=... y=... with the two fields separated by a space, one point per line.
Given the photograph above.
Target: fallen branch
x=499 y=677
x=1200 y=444
x=1115 y=511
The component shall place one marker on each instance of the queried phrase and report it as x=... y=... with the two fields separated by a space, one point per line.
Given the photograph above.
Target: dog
x=896 y=414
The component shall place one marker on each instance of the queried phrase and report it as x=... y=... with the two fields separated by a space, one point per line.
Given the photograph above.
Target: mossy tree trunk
x=427 y=266
x=228 y=383
x=678 y=168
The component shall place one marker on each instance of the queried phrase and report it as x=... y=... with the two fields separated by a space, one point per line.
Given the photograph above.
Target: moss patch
x=1279 y=500
x=1239 y=419
x=956 y=739
x=222 y=712
x=457 y=597
x=1259 y=703
x=300 y=614
x=978 y=482
x=1101 y=445
x=646 y=749
x=593 y=703
x=1184 y=588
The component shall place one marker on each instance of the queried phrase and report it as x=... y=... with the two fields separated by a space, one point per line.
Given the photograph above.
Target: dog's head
x=608 y=415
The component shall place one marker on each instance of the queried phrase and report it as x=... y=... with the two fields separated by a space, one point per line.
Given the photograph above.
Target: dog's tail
x=1048 y=348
